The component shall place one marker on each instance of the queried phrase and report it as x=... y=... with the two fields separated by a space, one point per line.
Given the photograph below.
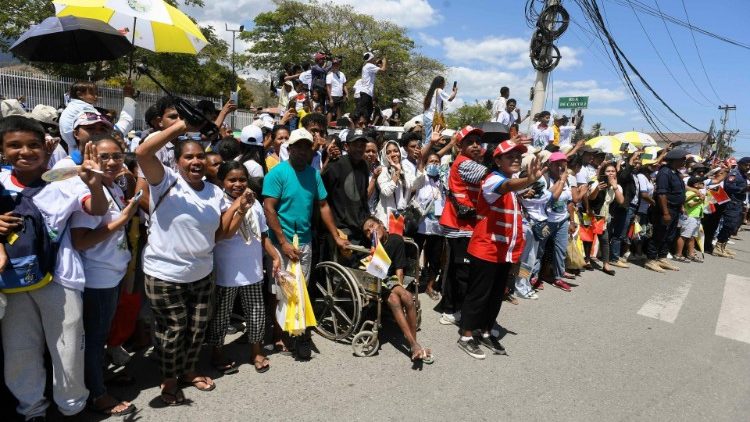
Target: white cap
x=397 y=101
x=416 y=120
x=44 y=114
x=252 y=135
x=299 y=134
x=368 y=56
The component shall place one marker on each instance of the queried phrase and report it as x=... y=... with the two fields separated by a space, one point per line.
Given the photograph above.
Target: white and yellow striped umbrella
x=637 y=138
x=609 y=144
x=150 y=24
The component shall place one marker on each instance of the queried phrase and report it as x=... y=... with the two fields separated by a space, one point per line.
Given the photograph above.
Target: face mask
x=432 y=170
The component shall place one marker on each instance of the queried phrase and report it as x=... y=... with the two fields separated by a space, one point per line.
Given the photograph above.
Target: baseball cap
x=88 y=118
x=397 y=101
x=355 y=135
x=508 y=146
x=44 y=114
x=251 y=135
x=744 y=160
x=468 y=130
x=368 y=56
x=298 y=135
x=411 y=124
x=557 y=156
x=676 y=154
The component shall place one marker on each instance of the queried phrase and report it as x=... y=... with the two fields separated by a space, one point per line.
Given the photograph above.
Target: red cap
x=466 y=131
x=508 y=146
x=557 y=156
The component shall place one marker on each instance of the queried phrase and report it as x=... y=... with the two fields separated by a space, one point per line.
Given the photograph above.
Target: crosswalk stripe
x=665 y=306
x=734 y=315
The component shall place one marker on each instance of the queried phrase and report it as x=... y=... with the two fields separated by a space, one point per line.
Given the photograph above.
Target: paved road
x=638 y=346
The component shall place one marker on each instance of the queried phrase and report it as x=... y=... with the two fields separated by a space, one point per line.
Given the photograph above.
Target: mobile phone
x=138 y=195
x=624 y=147
x=455 y=84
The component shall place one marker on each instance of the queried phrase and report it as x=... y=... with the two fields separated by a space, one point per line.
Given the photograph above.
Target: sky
x=484 y=44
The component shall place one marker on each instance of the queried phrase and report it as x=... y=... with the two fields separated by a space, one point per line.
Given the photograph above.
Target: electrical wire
x=700 y=58
x=653 y=12
x=593 y=13
x=677 y=50
x=656 y=50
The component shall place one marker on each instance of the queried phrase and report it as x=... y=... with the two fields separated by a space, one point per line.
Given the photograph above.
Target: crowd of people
x=198 y=224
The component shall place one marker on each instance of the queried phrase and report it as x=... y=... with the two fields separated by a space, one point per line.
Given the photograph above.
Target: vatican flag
x=380 y=262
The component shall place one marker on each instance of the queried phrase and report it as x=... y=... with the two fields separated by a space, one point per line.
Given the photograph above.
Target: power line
x=656 y=50
x=653 y=12
x=700 y=58
x=677 y=50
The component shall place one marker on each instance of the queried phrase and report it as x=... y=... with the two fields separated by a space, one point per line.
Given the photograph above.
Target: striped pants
x=251 y=298
x=181 y=313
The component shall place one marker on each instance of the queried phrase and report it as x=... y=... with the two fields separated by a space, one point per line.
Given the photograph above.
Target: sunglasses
x=117 y=156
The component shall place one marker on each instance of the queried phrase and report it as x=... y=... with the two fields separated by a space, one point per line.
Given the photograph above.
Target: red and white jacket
x=465 y=194
x=498 y=236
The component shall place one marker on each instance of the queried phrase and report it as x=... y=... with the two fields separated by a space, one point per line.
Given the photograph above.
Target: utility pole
x=540 y=83
x=724 y=138
x=233 y=95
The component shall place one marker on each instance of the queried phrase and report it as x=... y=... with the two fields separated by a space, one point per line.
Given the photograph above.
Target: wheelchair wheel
x=337 y=301
x=365 y=344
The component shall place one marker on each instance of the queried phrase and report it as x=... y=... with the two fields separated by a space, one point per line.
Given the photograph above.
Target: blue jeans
x=99 y=306
x=427 y=124
x=529 y=262
x=559 y=235
x=618 y=230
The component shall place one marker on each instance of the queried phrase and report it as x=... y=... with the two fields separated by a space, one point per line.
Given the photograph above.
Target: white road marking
x=665 y=306
x=734 y=315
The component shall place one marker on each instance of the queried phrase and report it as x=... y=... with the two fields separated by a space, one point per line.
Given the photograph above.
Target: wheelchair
x=342 y=297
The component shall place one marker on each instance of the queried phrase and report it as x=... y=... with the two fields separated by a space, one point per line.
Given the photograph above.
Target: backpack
x=31 y=251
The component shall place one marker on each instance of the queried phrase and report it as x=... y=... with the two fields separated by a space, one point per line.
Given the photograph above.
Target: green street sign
x=573 y=102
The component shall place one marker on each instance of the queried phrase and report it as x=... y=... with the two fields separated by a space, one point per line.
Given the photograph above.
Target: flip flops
x=226 y=367
x=265 y=365
x=173 y=398
x=196 y=381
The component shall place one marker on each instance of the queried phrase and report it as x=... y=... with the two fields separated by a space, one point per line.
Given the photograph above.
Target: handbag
x=540 y=229
x=462 y=211
x=574 y=259
x=412 y=216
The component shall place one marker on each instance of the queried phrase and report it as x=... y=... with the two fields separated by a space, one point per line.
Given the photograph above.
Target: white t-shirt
x=536 y=207
x=585 y=175
x=506 y=118
x=437 y=102
x=57 y=202
x=238 y=263
x=57 y=155
x=498 y=106
x=253 y=168
x=566 y=135
x=540 y=137
x=336 y=81
x=645 y=185
x=387 y=113
x=367 y=83
x=182 y=230
x=306 y=78
x=557 y=211
x=106 y=262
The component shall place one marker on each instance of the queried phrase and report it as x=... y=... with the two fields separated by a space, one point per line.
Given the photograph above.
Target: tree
x=596 y=130
x=468 y=114
x=488 y=105
x=294 y=31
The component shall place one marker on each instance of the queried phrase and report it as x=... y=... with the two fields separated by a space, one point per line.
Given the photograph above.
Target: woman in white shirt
x=188 y=215
x=239 y=272
x=431 y=200
x=394 y=184
x=102 y=243
x=435 y=101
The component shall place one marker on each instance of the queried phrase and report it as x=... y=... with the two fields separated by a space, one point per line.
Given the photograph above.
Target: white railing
x=50 y=90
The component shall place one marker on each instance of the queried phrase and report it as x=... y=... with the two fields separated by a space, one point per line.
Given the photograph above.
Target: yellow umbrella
x=637 y=138
x=150 y=24
x=609 y=144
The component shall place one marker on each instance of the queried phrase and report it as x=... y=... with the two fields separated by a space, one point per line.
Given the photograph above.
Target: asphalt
x=587 y=355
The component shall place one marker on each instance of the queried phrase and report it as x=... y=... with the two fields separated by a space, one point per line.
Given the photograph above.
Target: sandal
x=569 y=276
x=173 y=398
x=696 y=258
x=109 y=410
x=427 y=357
x=433 y=295
x=197 y=380
x=226 y=367
x=265 y=365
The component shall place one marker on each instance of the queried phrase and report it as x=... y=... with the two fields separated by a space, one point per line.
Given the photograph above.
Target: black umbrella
x=73 y=40
x=494 y=132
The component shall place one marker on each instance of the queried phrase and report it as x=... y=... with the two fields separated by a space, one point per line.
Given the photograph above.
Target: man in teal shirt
x=292 y=190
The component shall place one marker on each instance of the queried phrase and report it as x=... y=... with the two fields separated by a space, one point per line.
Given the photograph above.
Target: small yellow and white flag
x=380 y=262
